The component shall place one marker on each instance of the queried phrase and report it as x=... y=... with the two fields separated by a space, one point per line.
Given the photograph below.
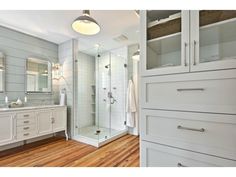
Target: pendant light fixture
x=85 y=24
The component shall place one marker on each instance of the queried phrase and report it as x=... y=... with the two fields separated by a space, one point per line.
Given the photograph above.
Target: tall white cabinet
x=188 y=83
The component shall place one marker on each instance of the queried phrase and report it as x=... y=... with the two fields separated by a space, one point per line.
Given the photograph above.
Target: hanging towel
x=130 y=105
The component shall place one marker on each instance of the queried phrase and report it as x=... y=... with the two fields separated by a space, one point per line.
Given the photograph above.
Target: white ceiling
x=55 y=26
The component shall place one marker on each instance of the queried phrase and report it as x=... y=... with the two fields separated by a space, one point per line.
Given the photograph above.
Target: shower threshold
x=98 y=137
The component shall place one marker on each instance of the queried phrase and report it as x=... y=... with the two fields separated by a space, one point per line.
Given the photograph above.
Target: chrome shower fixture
x=107 y=66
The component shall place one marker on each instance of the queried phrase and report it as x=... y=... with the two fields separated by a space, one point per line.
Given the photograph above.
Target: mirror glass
x=38 y=76
x=2 y=69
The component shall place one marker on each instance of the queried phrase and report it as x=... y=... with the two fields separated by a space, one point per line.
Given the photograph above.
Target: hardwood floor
x=56 y=152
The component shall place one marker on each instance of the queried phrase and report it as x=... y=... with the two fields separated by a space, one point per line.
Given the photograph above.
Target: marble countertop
x=29 y=108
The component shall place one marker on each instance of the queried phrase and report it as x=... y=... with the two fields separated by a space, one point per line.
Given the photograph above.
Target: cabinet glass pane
x=217 y=35
x=163 y=38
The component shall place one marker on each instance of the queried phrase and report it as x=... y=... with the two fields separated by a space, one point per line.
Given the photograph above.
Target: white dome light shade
x=86 y=25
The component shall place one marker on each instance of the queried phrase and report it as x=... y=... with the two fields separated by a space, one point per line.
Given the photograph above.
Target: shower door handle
x=113 y=100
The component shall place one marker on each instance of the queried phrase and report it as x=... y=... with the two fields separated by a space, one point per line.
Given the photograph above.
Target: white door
x=213 y=39
x=164 y=42
x=6 y=128
x=44 y=121
x=59 y=119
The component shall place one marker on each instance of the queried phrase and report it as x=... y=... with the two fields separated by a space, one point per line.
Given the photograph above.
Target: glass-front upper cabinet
x=213 y=39
x=164 y=41
x=38 y=76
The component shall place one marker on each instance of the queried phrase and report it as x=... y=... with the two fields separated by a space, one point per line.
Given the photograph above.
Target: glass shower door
x=103 y=120
x=118 y=91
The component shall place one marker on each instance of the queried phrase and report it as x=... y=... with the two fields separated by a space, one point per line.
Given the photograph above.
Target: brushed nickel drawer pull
x=26 y=134
x=190 y=89
x=192 y=129
x=180 y=165
x=26 y=128
x=26 y=121
x=185 y=55
x=26 y=115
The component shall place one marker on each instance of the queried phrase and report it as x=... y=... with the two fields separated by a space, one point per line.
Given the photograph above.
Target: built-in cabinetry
x=188 y=83
x=183 y=41
x=26 y=123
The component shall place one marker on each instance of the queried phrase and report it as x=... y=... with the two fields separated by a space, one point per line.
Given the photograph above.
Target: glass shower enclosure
x=101 y=93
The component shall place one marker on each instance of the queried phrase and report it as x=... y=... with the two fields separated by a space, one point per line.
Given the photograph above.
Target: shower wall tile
x=85 y=95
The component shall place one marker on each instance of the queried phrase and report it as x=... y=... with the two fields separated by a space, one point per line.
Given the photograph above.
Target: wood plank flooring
x=56 y=152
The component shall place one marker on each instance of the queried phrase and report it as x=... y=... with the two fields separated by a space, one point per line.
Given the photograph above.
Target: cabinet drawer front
x=155 y=155
x=25 y=115
x=28 y=121
x=211 y=95
x=26 y=135
x=26 y=128
x=207 y=133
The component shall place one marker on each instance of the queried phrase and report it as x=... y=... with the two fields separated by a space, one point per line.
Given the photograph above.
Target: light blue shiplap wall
x=18 y=47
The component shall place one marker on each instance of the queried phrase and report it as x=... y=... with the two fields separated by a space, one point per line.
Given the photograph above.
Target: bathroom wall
x=18 y=47
x=86 y=90
x=67 y=52
x=133 y=73
x=131 y=50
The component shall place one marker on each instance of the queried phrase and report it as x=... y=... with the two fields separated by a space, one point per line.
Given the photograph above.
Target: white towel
x=63 y=97
x=130 y=105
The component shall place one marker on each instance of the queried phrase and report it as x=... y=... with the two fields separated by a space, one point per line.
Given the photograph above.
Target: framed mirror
x=38 y=76
x=2 y=72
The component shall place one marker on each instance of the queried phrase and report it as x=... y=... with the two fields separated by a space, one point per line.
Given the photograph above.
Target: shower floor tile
x=90 y=132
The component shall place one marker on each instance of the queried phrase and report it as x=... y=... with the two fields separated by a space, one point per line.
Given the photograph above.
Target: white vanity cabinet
x=51 y=120
x=58 y=119
x=187 y=94
x=45 y=121
x=6 y=128
x=30 y=122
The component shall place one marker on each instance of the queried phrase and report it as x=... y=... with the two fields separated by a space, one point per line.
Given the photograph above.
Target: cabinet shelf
x=166 y=44
x=164 y=29
x=220 y=32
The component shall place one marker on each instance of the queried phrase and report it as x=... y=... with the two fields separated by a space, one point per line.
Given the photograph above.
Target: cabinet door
x=59 y=119
x=213 y=39
x=164 y=42
x=6 y=128
x=44 y=122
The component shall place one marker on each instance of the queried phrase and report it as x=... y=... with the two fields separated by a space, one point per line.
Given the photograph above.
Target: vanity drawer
x=207 y=133
x=26 y=128
x=208 y=95
x=25 y=115
x=26 y=135
x=155 y=155
x=28 y=121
